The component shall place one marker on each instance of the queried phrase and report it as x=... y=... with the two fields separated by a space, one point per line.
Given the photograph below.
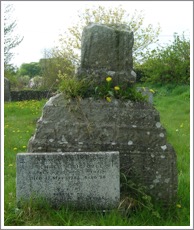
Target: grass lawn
x=173 y=103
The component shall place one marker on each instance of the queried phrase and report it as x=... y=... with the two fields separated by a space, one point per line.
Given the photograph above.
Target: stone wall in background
x=29 y=95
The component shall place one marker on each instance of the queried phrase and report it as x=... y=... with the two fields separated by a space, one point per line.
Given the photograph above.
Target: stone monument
x=132 y=128
x=7 y=92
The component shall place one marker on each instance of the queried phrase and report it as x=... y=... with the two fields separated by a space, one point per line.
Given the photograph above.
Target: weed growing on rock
x=135 y=199
x=72 y=88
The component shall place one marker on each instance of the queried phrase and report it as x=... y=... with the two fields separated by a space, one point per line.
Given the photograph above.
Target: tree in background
x=31 y=69
x=170 y=64
x=70 y=42
x=62 y=61
x=35 y=82
x=51 y=65
x=22 y=82
x=10 y=39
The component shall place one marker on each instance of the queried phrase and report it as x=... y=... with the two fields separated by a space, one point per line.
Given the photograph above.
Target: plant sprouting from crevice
x=135 y=197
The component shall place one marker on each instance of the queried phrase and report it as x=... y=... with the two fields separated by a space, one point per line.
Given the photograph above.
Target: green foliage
x=108 y=90
x=174 y=107
x=22 y=82
x=36 y=82
x=51 y=65
x=31 y=69
x=170 y=64
x=19 y=78
x=72 y=87
x=135 y=198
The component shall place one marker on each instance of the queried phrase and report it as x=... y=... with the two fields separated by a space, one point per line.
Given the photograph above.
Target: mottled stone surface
x=106 y=50
x=79 y=179
x=7 y=92
x=132 y=128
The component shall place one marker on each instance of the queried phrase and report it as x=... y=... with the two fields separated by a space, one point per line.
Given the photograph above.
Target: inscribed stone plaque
x=79 y=179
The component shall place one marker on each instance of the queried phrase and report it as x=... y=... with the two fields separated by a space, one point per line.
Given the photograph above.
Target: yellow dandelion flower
x=152 y=91
x=116 y=88
x=108 y=99
x=23 y=146
x=108 y=79
x=15 y=149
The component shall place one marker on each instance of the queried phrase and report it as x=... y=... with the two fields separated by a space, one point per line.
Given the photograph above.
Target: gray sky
x=41 y=22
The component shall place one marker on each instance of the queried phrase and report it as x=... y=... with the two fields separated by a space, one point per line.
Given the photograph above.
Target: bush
x=168 y=65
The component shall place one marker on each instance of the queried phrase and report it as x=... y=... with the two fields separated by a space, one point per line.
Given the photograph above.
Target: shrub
x=168 y=65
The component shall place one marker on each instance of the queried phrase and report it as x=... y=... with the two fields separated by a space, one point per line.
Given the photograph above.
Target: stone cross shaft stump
x=106 y=50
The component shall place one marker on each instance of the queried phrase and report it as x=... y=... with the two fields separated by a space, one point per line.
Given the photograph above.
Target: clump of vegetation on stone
x=72 y=88
x=122 y=91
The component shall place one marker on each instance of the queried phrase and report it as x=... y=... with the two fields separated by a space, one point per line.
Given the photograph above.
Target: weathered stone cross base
x=131 y=128
x=79 y=179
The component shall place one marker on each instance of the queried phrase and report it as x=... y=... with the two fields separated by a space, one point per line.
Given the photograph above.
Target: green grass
x=20 y=122
x=174 y=107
